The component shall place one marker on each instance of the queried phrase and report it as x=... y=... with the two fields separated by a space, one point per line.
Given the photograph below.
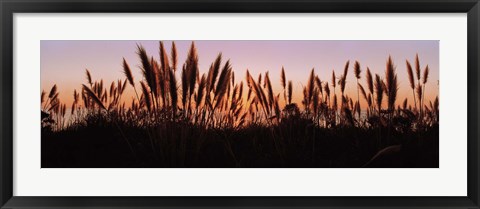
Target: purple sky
x=64 y=62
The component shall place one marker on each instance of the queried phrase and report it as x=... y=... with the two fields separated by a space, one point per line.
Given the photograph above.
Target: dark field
x=295 y=142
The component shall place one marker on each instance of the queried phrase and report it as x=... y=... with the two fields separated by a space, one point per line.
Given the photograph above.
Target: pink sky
x=64 y=62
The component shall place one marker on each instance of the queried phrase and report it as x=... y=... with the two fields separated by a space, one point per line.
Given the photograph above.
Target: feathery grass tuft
x=357 y=70
x=128 y=72
x=89 y=77
x=410 y=75
x=165 y=65
x=334 y=82
x=93 y=96
x=174 y=56
x=310 y=86
x=417 y=66
x=379 y=92
x=290 y=89
x=369 y=80
x=345 y=69
x=391 y=83
x=425 y=74
x=271 y=99
x=147 y=69
x=53 y=91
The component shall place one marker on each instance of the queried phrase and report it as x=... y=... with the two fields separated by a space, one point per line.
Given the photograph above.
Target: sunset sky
x=64 y=62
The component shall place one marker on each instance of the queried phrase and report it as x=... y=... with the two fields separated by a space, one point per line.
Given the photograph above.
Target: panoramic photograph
x=239 y=103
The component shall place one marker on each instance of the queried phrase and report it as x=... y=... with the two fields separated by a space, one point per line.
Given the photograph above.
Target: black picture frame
x=9 y=7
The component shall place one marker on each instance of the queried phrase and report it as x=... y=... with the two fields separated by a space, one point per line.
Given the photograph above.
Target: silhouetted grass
x=208 y=120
